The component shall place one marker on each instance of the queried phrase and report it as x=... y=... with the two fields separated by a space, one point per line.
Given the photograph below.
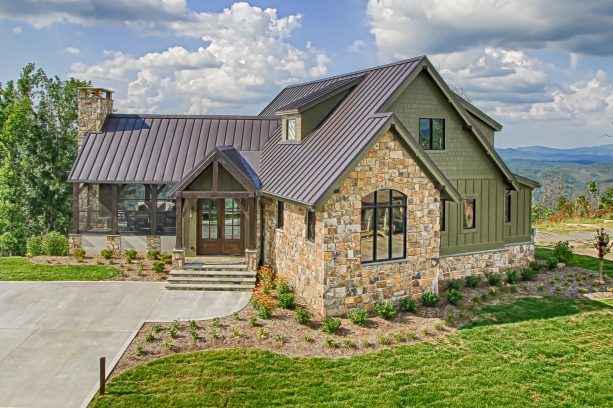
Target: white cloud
x=247 y=58
x=72 y=50
x=574 y=61
x=17 y=29
x=357 y=46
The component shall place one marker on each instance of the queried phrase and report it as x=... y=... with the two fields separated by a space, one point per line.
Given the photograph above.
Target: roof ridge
x=361 y=71
x=180 y=116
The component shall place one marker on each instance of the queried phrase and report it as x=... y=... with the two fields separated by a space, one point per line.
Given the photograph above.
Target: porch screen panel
x=134 y=209
x=95 y=208
x=166 y=213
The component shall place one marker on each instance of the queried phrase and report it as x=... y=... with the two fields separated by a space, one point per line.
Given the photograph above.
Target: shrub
x=138 y=350
x=430 y=299
x=149 y=337
x=158 y=267
x=536 y=266
x=11 y=244
x=156 y=328
x=55 y=244
x=282 y=287
x=455 y=284
x=408 y=305
x=552 y=263
x=106 y=253
x=384 y=340
x=454 y=296
x=253 y=321
x=79 y=254
x=34 y=245
x=513 y=276
x=266 y=278
x=385 y=310
x=153 y=254
x=563 y=252
x=264 y=312
x=140 y=267
x=279 y=337
x=528 y=274
x=473 y=281
x=216 y=322
x=286 y=300
x=493 y=278
x=349 y=343
x=330 y=342
x=263 y=298
x=166 y=258
x=330 y=325
x=129 y=255
x=358 y=316
x=303 y=316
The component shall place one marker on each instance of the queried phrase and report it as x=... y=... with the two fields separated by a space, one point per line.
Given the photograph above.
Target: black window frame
x=507 y=206
x=280 y=214
x=431 y=123
x=474 y=225
x=310 y=224
x=389 y=204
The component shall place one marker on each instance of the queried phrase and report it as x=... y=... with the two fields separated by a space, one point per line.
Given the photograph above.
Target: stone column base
x=251 y=258
x=113 y=242
x=178 y=258
x=154 y=242
x=75 y=241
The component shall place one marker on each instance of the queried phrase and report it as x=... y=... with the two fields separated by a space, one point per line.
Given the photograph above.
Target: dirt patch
x=134 y=271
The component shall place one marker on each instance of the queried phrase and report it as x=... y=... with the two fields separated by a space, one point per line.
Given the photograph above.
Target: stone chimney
x=94 y=105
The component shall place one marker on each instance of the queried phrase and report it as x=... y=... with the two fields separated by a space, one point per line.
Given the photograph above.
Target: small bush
x=528 y=274
x=11 y=244
x=138 y=350
x=34 y=245
x=79 y=254
x=455 y=284
x=264 y=312
x=166 y=258
x=236 y=316
x=536 y=266
x=563 y=252
x=349 y=344
x=513 y=276
x=261 y=333
x=283 y=287
x=330 y=325
x=454 y=296
x=286 y=300
x=408 y=305
x=156 y=328
x=158 y=267
x=493 y=278
x=129 y=255
x=55 y=244
x=358 y=316
x=552 y=263
x=140 y=268
x=473 y=281
x=253 y=321
x=236 y=332
x=153 y=254
x=330 y=342
x=385 y=310
x=430 y=299
x=384 y=340
x=303 y=316
x=149 y=337
x=106 y=253
x=216 y=322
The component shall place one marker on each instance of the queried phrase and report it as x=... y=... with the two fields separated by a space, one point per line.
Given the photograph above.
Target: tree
x=602 y=248
x=38 y=144
x=592 y=188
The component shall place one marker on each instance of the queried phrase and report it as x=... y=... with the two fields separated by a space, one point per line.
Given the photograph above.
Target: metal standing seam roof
x=303 y=172
x=321 y=94
x=161 y=149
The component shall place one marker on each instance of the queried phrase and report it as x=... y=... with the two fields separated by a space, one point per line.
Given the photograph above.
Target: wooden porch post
x=114 y=209
x=253 y=219
x=179 y=221
x=75 y=208
x=153 y=210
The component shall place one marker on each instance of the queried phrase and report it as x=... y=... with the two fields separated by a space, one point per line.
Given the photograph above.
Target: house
x=359 y=188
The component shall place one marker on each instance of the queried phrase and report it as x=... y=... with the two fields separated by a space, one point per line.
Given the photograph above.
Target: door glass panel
x=232 y=220
x=210 y=224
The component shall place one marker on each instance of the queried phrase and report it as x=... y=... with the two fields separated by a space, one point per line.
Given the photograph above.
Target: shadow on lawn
x=531 y=308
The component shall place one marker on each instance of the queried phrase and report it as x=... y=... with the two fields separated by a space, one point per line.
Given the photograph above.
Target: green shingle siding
x=312 y=117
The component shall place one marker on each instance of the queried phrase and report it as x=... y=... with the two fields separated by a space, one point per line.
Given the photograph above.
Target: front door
x=220 y=227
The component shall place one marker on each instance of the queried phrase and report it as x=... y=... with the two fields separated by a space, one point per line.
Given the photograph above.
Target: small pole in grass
x=102 y=375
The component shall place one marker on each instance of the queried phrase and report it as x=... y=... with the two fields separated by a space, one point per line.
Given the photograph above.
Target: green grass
x=583 y=261
x=20 y=269
x=560 y=361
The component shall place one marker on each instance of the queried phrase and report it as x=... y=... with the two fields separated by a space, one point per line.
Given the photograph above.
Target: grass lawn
x=20 y=269
x=583 y=261
x=558 y=361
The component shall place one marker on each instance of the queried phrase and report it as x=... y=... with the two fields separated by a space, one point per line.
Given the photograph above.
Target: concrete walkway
x=53 y=333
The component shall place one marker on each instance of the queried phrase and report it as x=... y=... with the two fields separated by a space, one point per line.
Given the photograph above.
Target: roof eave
x=527 y=182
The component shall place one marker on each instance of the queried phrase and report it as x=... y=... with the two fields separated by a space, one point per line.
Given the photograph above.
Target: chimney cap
x=95 y=92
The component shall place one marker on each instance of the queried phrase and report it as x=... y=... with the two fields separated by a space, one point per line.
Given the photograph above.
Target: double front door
x=220 y=227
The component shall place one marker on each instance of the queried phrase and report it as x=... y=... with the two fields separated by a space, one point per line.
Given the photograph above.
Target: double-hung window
x=432 y=134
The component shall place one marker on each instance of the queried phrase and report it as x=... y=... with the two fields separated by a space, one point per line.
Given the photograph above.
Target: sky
x=542 y=68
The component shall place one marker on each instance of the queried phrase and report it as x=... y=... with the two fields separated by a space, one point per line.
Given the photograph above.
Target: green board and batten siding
x=472 y=173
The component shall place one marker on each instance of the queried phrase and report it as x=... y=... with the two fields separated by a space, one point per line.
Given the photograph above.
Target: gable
x=463 y=156
x=225 y=181
x=313 y=116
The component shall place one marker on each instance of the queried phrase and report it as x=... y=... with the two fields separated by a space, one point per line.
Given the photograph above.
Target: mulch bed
x=284 y=335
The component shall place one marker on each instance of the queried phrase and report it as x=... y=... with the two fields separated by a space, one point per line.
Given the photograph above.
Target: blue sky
x=544 y=69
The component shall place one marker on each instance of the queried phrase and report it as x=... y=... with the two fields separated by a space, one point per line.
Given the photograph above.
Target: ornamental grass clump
x=430 y=299
x=513 y=276
x=473 y=281
x=286 y=300
x=330 y=325
x=358 y=316
x=106 y=253
x=408 y=305
x=129 y=255
x=79 y=254
x=303 y=316
x=455 y=284
x=386 y=310
x=493 y=278
x=158 y=267
x=454 y=296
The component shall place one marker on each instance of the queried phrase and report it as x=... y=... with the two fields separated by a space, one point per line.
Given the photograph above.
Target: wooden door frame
x=220 y=249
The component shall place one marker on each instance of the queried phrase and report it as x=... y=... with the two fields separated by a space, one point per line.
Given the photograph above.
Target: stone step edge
x=179 y=272
x=212 y=287
x=196 y=279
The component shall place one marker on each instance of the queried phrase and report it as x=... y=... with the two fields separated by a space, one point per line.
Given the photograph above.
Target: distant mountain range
x=577 y=166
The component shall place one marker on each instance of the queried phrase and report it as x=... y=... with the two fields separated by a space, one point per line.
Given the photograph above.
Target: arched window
x=383 y=235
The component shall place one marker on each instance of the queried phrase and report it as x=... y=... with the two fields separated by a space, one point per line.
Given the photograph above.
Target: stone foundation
x=251 y=259
x=113 y=242
x=154 y=243
x=478 y=263
x=75 y=241
x=178 y=258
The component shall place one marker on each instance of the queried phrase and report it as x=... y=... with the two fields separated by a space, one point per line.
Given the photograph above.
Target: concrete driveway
x=53 y=333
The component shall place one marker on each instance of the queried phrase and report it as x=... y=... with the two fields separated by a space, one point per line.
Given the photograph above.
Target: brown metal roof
x=303 y=172
x=164 y=148
x=321 y=94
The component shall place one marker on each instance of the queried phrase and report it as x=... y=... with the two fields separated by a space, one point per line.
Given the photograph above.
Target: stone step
x=208 y=267
x=211 y=287
x=217 y=279
x=211 y=273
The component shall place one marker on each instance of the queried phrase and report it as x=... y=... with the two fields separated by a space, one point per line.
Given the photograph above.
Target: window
x=432 y=134
x=507 y=206
x=290 y=131
x=470 y=211
x=383 y=226
x=311 y=225
x=280 y=214
x=443 y=215
x=134 y=209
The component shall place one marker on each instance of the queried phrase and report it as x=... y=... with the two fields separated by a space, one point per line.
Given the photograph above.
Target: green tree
x=592 y=188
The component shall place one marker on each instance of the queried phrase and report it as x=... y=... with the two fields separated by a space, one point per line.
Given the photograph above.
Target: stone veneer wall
x=478 y=263
x=348 y=283
x=299 y=261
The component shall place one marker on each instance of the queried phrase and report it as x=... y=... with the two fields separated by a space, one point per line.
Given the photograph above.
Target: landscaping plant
x=166 y=258
x=286 y=300
x=430 y=299
x=408 y=305
x=79 y=254
x=153 y=254
x=330 y=325
x=282 y=286
x=513 y=276
x=385 y=310
x=455 y=284
x=129 y=255
x=158 y=267
x=493 y=278
x=358 y=316
x=473 y=281
x=528 y=274
x=603 y=247
x=563 y=252
x=34 y=245
x=303 y=316
x=454 y=296
x=106 y=253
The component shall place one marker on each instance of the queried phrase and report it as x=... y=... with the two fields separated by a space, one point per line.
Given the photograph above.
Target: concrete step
x=209 y=267
x=211 y=273
x=216 y=279
x=212 y=287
